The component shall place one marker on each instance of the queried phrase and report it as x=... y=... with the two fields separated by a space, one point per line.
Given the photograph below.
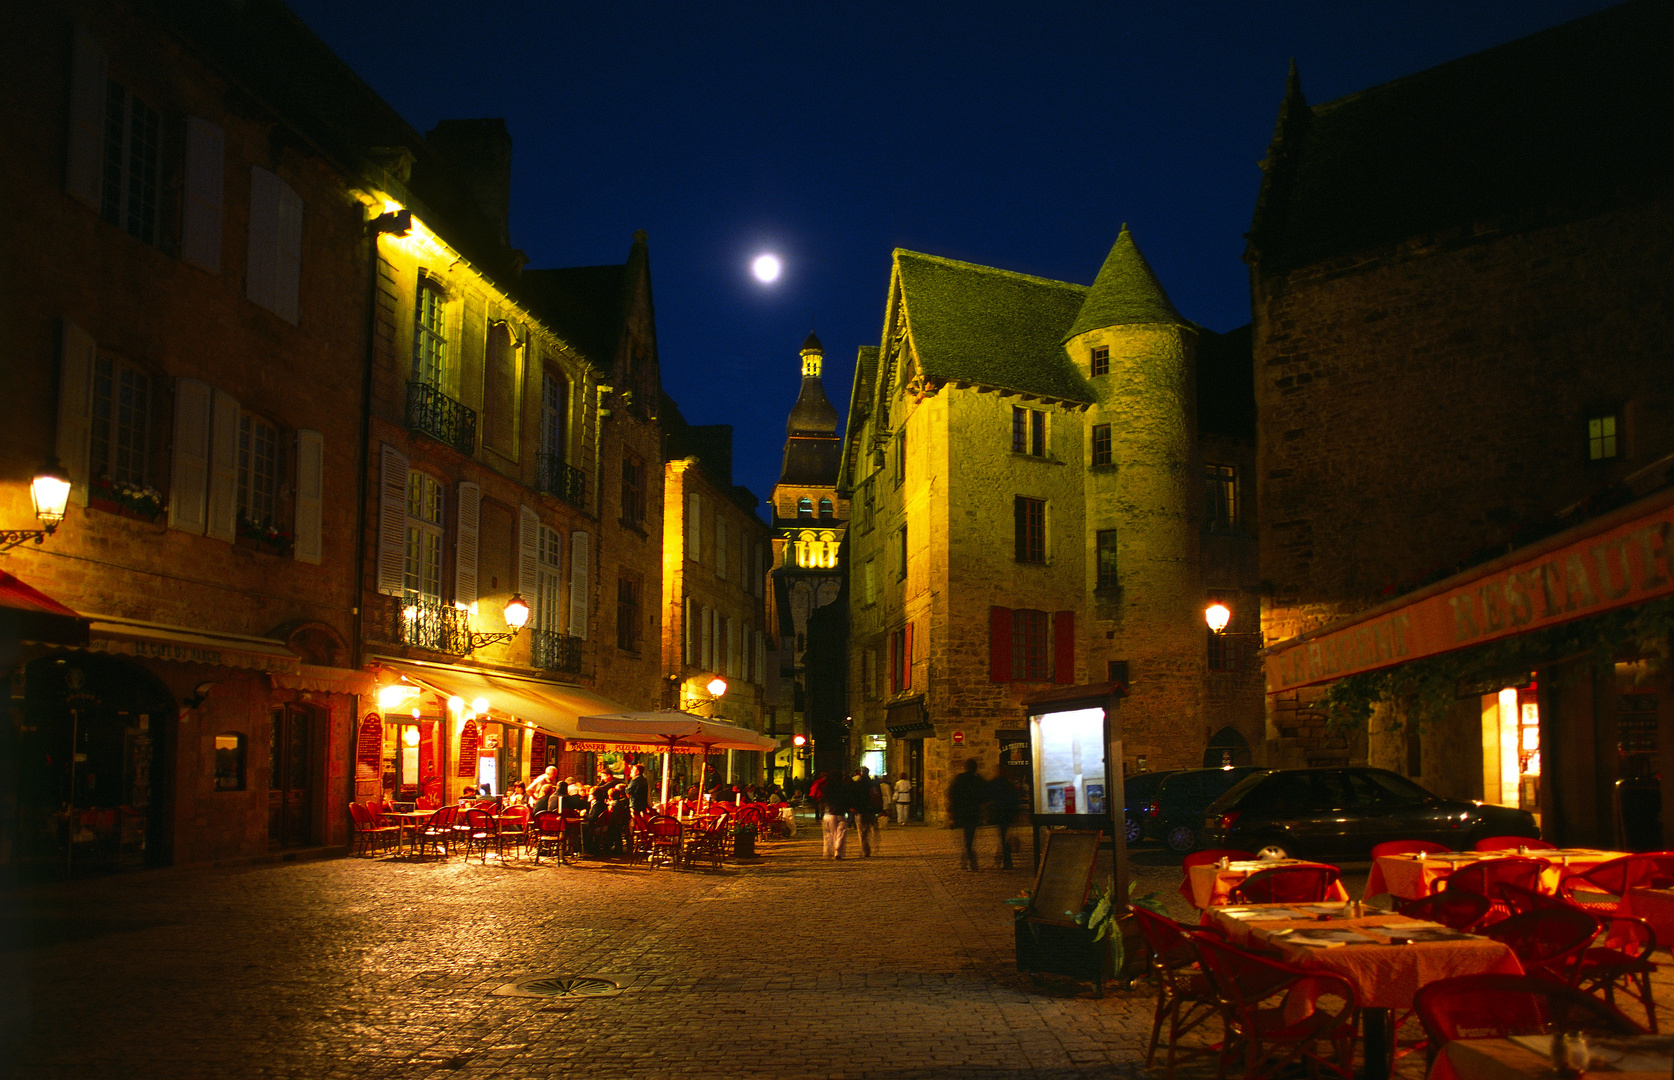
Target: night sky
x=1014 y=135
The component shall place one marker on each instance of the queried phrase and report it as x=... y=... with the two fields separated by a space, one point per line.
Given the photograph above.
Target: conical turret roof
x=1125 y=292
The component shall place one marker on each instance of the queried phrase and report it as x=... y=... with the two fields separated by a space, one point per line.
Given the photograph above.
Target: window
x=1030 y=525
x=901 y=659
x=1028 y=432
x=119 y=447
x=901 y=554
x=1019 y=430
x=1101 y=444
x=430 y=337
x=554 y=411
x=869 y=674
x=133 y=136
x=825 y=508
x=1220 y=486
x=900 y=457
x=1108 y=577
x=721 y=547
x=549 y=548
x=502 y=385
x=1223 y=652
x=1116 y=671
x=627 y=614
x=258 y=470
x=869 y=583
x=423 y=572
x=1101 y=360
x=805 y=507
x=866 y=506
x=229 y=761
x=1031 y=645
x=1602 y=442
x=633 y=491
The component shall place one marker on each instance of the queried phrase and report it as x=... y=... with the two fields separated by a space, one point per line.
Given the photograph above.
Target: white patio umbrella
x=673 y=728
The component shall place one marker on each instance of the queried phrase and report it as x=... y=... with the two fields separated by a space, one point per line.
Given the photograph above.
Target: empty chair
x=1408 y=847
x=371 y=835
x=547 y=834
x=1487 y=876
x=1185 y=995
x=1457 y=909
x=480 y=832
x=514 y=828
x=1298 y=883
x=1488 y=1006
x=1279 y=1015
x=1548 y=941
x=1603 y=888
x=1512 y=843
x=1203 y=858
x=662 y=835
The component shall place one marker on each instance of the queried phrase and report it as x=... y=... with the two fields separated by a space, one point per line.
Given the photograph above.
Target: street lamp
x=50 y=492
x=1217 y=616
x=516 y=615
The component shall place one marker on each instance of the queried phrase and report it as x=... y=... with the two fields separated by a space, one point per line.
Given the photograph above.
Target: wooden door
x=290 y=794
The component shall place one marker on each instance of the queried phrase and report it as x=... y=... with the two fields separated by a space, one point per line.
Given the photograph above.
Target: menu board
x=468 y=743
x=369 y=748
x=1066 y=875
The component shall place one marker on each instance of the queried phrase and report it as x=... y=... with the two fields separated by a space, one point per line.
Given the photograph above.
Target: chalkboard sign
x=1065 y=877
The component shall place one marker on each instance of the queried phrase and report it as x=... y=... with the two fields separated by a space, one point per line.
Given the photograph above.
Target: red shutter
x=894 y=672
x=999 y=644
x=907 y=650
x=1063 y=646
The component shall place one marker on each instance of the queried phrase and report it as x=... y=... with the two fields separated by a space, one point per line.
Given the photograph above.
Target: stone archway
x=1227 y=747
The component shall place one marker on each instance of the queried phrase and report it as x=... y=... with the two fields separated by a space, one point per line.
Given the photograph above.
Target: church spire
x=813 y=413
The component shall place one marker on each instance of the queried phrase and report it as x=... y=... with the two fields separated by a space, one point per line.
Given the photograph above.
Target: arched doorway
x=1227 y=747
x=95 y=788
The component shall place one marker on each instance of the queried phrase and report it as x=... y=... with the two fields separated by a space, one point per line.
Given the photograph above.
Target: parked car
x=1341 y=813
x=1138 y=792
x=1176 y=814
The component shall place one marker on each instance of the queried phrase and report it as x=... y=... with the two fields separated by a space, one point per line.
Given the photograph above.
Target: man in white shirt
x=903 y=799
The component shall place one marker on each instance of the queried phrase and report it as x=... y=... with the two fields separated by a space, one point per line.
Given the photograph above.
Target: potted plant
x=139 y=501
x=744 y=841
x=263 y=535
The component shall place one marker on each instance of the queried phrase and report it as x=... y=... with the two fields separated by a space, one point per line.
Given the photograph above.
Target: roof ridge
x=990 y=270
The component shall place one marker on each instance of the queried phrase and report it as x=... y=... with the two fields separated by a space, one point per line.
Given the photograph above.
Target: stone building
x=1461 y=324
x=1031 y=491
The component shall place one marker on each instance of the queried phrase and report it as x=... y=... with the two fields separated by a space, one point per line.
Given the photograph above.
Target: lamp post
x=516 y=615
x=50 y=492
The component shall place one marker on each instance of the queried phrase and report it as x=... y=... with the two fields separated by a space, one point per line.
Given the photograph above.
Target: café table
x=411 y=821
x=1412 y=877
x=1212 y=884
x=1528 y=1057
x=1385 y=957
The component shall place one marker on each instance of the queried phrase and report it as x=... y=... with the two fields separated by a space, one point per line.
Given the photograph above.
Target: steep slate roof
x=1552 y=126
x=992 y=327
x=1124 y=293
x=860 y=407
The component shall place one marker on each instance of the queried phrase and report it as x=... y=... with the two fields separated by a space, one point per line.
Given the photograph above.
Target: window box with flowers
x=139 y=501
x=263 y=535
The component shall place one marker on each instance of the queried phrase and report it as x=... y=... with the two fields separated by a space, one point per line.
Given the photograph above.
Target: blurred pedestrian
x=868 y=804
x=1004 y=801
x=834 y=809
x=965 y=797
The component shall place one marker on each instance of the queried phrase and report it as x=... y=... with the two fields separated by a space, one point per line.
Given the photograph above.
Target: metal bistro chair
x=436 y=831
x=1279 y=1014
x=1512 y=843
x=481 y=833
x=1300 y=883
x=514 y=828
x=1185 y=995
x=1603 y=889
x=1456 y=909
x=1620 y=959
x=371 y=836
x=1408 y=847
x=548 y=835
x=1204 y=858
x=1499 y=1006
x=1546 y=942
x=1486 y=877
x=663 y=841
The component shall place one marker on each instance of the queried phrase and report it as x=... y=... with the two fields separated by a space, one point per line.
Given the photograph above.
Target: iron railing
x=439 y=416
x=554 y=651
x=431 y=624
x=561 y=480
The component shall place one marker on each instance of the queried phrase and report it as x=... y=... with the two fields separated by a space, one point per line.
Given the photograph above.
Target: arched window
x=805 y=507
x=825 y=508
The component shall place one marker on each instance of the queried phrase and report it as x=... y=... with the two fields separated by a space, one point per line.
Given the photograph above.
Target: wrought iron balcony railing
x=431 y=624
x=562 y=480
x=554 y=651
x=439 y=416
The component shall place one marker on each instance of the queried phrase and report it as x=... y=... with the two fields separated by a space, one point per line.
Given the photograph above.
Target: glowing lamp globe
x=410 y=736
x=799 y=740
x=456 y=704
x=517 y=612
x=717 y=686
x=50 y=491
x=1217 y=616
x=479 y=706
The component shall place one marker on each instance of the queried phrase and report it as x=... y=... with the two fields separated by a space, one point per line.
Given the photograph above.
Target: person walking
x=834 y=808
x=868 y=804
x=903 y=798
x=965 y=797
x=1004 y=801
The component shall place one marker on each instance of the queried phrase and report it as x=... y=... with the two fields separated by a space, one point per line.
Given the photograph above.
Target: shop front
x=908 y=724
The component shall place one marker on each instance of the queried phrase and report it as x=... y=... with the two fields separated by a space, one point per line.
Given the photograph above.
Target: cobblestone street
x=896 y=966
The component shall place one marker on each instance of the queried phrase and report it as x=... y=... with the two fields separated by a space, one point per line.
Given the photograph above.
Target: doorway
x=290 y=785
x=915 y=773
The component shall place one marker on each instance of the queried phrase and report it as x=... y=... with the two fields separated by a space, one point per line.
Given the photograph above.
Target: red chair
x=1602 y=889
x=514 y=828
x=370 y=836
x=548 y=835
x=1620 y=960
x=1499 y=1006
x=1203 y=858
x=1408 y=847
x=1512 y=843
x=575 y=833
x=663 y=841
x=439 y=830
x=1278 y=1014
x=1457 y=909
x=1185 y=995
x=1298 y=883
x=1546 y=942
x=480 y=833
x=1486 y=877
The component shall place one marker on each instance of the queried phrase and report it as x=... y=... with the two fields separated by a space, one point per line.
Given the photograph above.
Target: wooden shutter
x=999 y=644
x=688 y=631
x=287 y=256
x=310 y=497
x=189 y=465
x=85 y=159
x=529 y=554
x=392 y=521
x=1063 y=646
x=200 y=235
x=893 y=661
x=76 y=351
x=261 y=267
x=694 y=527
x=706 y=658
x=465 y=543
x=907 y=657
x=581 y=581
x=222 y=511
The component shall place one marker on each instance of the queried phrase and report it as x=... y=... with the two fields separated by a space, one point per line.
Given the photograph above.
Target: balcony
x=439 y=416
x=554 y=651
x=561 y=480
x=431 y=624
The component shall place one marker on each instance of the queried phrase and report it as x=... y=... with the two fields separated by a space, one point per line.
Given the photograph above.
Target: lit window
x=805 y=507
x=121 y=423
x=1108 y=577
x=1030 y=528
x=1602 y=443
x=1220 y=488
x=258 y=470
x=133 y=135
x=430 y=337
x=1101 y=444
x=423 y=569
x=1101 y=360
x=826 y=509
x=229 y=762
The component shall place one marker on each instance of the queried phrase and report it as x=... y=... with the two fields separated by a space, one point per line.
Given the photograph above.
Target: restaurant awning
x=552 y=707
x=1615 y=560
x=28 y=614
x=907 y=719
x=160 y=641
x=671 y=728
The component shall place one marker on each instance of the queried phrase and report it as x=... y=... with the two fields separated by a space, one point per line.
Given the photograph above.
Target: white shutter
x=392 y=522
x=694 y=527
x=581 y=580
x=688 y=631
x=528 y=553
x=222 y=511
x=189 y=466
x=720 y=547
x=76 y=351
x=200 y=235
x=85 y=160
x=261 y=266
x=465 y=545
x=708 y=657
x=287 y=259
x=310 y=496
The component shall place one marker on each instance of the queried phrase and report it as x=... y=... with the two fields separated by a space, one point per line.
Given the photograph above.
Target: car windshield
x=1236 y=793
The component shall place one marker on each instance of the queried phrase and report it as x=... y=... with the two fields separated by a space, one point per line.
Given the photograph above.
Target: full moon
x=766 y=268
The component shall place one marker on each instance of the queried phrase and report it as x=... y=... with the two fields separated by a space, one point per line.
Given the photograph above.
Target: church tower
x=809 y=524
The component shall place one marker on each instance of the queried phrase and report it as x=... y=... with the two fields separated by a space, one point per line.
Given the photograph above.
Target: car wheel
x=1132 y=828
x=1181 y=839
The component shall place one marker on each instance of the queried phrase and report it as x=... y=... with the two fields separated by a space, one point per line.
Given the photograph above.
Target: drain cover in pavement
x=575 y=986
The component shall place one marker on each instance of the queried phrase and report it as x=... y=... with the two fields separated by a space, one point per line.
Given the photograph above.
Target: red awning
x=29 y=614
x=16 y=594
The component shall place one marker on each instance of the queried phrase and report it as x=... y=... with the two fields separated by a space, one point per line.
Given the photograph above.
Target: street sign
x=958 y=737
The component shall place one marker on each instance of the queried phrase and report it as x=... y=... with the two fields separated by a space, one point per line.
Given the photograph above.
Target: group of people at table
x=1509 y=957
x=606 y=819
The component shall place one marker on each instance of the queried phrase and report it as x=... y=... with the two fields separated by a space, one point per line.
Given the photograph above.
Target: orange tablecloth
x=1655 y=906
x=1212 y=886
x=1503 y=1059
x=1407 y=877
x=1384 y=976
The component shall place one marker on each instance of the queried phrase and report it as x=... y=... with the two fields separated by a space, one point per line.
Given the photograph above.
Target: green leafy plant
x=1101 y=917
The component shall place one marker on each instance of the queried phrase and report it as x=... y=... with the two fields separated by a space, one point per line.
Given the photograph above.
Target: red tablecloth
x=1407 y=877
x=1212 y=886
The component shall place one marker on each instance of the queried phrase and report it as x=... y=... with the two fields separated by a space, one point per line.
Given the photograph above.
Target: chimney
x=480 y=153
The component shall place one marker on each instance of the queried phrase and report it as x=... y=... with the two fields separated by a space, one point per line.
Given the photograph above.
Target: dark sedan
x=1341 y=813
x=1140 y=790
x=1174 y=814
